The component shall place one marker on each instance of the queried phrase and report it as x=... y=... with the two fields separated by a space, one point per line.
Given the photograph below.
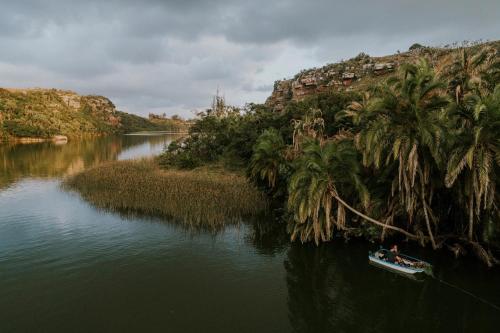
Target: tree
x=325 y=171
x=267 y=157
x=474 y=86
x=404 y=123
x=469 y=71
x=476 y=150
x=320 y=171
x=416 y=46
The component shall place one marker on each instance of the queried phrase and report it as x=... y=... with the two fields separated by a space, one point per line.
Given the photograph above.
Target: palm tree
x=312 y=125
x=476 y=150
x=325 y=170
x=404 y=124
x=473 y=71
x=319 y=171
x=268 y=156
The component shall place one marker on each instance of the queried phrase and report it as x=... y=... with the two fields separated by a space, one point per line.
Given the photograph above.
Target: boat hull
x=395 y=267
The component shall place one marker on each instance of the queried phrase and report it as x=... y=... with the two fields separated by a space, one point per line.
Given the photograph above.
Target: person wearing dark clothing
x=392 y=255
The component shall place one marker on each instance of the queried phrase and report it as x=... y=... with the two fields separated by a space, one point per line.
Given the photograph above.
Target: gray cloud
x=172 y=55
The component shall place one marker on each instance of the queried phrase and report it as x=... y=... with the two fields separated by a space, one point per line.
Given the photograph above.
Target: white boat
x=407 y=264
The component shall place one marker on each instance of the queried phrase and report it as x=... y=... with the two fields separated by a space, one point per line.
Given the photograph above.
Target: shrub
x=17 y=128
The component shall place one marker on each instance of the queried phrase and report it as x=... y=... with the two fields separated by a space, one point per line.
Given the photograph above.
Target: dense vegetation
x=132 y=123
x=171 y=124
x=417 y=155
x=205 y=198
x=44 y=113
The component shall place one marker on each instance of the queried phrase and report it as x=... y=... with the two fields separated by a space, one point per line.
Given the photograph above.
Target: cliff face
x=354 y=74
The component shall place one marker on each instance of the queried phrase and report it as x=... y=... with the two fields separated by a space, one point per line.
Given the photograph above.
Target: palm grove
x=417 y=155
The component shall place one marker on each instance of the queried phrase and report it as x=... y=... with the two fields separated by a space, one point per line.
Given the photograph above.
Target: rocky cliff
x=357 y=73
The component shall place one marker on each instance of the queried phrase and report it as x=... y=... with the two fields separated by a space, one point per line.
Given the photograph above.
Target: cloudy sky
x=171 y=56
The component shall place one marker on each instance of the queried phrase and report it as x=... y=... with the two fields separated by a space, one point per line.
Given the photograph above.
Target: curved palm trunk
x=369 y=219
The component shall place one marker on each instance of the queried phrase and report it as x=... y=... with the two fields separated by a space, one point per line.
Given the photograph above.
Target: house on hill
x=348 y=78
x=383 y=68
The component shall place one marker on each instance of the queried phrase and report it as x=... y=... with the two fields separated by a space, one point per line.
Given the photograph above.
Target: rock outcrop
x=353 y=74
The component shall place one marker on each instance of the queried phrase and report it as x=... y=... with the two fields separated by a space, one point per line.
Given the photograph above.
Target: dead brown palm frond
x=472 y=160
x=403 y=127
x=343 y=135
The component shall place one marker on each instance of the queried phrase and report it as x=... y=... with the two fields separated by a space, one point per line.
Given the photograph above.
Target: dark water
x=67 y=267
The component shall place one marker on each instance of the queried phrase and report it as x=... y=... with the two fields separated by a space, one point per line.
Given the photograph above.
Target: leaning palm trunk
x=372 y=220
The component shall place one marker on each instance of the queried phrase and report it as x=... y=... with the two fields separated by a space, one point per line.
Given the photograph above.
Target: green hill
x=45 y=113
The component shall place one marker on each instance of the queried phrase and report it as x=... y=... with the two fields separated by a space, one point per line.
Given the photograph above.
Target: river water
x=66 y=266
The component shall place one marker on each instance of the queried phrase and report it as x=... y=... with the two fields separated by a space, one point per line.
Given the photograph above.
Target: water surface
x=68 y=267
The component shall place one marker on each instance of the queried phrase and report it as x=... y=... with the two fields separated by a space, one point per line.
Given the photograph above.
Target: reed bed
x=197 y=198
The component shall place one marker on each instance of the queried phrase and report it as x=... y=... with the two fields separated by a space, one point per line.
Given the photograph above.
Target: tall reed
x=199 y=198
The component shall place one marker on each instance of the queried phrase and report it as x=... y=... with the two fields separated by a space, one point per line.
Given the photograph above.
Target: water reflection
x=65 y=266
x=47 y=159
x=150 y=145
x=267 y=234
x=331 y=288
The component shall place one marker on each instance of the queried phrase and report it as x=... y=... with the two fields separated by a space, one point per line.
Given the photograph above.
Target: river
x=66 y=266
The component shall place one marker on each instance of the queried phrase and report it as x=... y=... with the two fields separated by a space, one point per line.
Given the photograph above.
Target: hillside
x=45 y=113
x=133 y=123
x=357 y=73
x=174 y=123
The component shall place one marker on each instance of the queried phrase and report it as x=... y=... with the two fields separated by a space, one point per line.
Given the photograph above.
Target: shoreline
x=63 y=139
x=146 y=133
x=58 y=139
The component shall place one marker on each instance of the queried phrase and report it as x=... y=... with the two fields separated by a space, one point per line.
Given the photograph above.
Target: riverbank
x=59 y=139
x=202 y=197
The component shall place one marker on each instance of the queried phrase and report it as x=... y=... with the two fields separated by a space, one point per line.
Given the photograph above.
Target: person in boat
x=392 y=255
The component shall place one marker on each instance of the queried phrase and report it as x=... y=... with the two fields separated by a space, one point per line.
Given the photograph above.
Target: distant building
x=383 y=67
x=367 y=67
x=348 y=78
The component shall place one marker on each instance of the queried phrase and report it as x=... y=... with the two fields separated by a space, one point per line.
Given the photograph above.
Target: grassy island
x=200 y=198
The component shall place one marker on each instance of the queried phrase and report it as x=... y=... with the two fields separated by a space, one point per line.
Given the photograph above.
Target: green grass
x=205 y=198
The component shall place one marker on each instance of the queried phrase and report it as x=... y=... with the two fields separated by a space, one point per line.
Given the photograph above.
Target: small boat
x=407 y=264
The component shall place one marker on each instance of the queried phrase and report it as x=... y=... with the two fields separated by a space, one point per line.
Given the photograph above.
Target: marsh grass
x=201 y=198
